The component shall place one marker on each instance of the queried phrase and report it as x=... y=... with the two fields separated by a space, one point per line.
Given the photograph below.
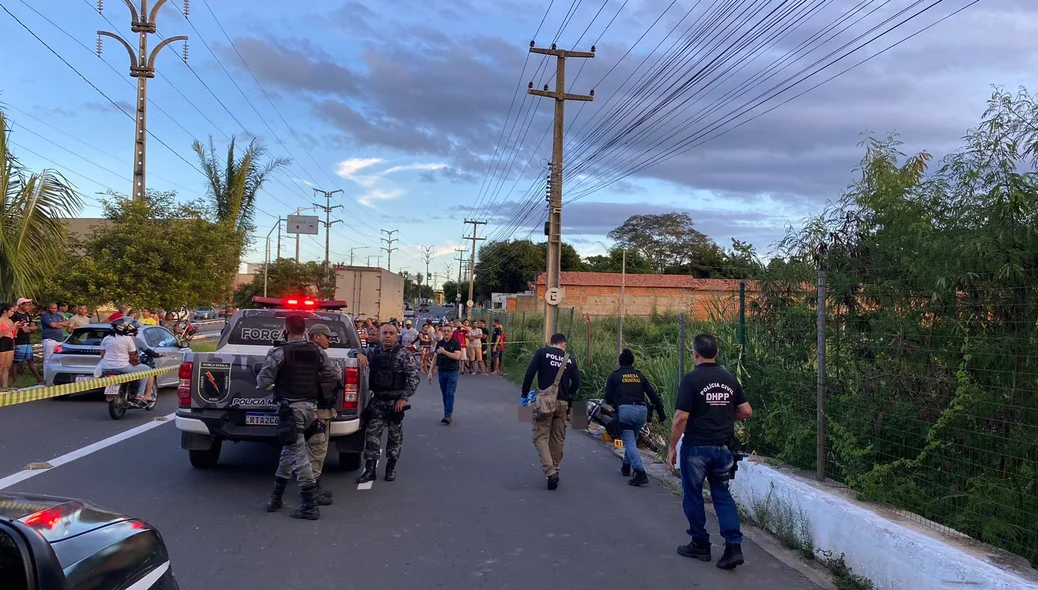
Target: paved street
x=468 y=509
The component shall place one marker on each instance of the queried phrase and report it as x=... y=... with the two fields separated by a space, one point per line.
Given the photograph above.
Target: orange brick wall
x=641 y=301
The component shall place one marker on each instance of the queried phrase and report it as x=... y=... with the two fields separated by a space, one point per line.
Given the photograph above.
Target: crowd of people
x=54 y=323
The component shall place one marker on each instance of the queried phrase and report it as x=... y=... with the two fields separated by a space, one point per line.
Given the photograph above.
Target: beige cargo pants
x=549 y=438
x=319 y=442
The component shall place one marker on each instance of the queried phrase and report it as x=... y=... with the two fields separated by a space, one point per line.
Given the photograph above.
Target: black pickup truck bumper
x=199 y=428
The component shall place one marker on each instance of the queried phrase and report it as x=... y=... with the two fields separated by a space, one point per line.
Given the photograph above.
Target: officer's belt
x=632 y=404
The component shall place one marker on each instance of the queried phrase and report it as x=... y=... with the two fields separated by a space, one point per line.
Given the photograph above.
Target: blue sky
x=401 y=103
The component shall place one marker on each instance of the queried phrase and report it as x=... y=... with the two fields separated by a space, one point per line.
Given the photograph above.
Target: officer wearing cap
x=321 y=335
x=296 y=370
x=625 y=390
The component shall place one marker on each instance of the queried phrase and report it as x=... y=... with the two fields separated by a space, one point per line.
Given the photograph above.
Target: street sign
x=303 y=224
x=553 y=296
x=470 y=303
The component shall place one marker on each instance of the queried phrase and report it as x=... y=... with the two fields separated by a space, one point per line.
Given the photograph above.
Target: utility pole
x=427 y=255
x=378 y=260
x=461 y=262
x=389 y=247
x=472 y=265
x=279 y=239
x=328 y=223
x=551 y=312
x=358 y=248
x=142 y=67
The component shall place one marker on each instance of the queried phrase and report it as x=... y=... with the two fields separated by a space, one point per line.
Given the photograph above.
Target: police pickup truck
x=217 y=394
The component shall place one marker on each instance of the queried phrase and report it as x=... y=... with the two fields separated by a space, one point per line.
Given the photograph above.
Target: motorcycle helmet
x=124 y=328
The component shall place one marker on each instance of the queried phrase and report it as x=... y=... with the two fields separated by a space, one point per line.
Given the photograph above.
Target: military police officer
x=625 y=390
x=321 y=335
x=393 y=378
x=296 y=370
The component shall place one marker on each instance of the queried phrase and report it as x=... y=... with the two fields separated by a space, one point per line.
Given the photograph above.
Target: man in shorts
x=476 y=350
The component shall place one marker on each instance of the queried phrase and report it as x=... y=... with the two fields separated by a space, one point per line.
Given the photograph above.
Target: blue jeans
x=711 y=464
x=448 y=383
x=142 y=385
x=635 y=416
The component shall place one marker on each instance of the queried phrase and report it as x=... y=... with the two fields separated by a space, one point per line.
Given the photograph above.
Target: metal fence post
x=522 y=328
x=681 y=346
x=742 y=316
x=820 y=409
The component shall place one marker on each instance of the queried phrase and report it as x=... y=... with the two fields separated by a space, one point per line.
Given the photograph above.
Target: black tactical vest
x=298 y=376
x=382 y=378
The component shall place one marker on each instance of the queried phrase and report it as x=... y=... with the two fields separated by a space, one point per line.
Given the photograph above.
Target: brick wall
x=642 y=301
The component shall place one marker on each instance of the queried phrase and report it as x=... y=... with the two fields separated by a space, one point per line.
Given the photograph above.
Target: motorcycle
x=123 y=396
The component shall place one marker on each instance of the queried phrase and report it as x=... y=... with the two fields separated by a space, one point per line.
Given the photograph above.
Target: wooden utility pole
x=389 y=247
x=551 y=312
x=472 y=265
x=142 y=67
x=461 y=262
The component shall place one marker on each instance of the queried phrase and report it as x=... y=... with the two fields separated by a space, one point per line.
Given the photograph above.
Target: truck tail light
x=351 y=389
x=184 y=387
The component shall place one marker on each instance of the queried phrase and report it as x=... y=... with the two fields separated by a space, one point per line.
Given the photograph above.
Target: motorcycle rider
x=296 y=370
x=119 y=354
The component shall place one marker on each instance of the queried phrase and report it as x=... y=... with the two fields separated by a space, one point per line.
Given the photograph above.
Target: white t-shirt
x=475 y=337
x=117 y=350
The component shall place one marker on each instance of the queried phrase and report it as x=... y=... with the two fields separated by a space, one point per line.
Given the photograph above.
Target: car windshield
x=268 y=331
x=88 y=336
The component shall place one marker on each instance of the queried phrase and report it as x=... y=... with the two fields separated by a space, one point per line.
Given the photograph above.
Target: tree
x=147 y=254
x=33 y=234
x=450 y=291
x=233 y=184
x=285 y=277
x=670 y=242
x=509 y=267
x=614 y=262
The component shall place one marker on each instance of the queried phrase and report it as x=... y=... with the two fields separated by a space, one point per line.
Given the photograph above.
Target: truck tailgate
x=227 y=382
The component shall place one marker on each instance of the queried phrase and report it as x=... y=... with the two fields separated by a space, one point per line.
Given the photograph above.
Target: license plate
x=111 y=390
x=83 y=378
x=261 y=419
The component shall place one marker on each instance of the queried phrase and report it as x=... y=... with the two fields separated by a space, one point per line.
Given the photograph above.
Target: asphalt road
x=469 y=508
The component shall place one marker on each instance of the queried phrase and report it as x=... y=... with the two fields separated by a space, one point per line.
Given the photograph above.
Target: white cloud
x=368 y=199
x=408 y=167
x=347 y=168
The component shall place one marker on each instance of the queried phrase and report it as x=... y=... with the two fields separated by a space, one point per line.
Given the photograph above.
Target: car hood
x=56 y=518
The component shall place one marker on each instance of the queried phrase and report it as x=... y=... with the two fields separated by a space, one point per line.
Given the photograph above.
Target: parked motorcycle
x=123 y=396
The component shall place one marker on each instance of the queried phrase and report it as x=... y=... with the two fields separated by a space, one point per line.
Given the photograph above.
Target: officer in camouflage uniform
x=321 y=335
x=393 y=378
x=296 y=370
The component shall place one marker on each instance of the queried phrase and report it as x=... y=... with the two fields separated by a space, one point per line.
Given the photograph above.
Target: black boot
x=732 y=557
x=639 y=478
x=274 y=503
x=553 y=481
x=625 y=469
x=323 y=497
x=308 y=508
x=697 y=550
x=390 y=470
x=369 y=472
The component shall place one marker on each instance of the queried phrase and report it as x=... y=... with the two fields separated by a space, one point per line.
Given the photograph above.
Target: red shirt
x=460 y=335
x=114 y=316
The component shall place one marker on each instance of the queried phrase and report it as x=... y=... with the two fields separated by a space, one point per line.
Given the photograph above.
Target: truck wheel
x=349 y=461
x=208 y=458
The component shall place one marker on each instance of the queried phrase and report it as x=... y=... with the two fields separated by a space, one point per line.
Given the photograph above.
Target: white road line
x=366 y=485
x=25 y=474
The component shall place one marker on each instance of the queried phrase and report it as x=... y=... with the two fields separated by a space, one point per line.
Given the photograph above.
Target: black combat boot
x=323 y=497
x=369 y=472
x=391 y=470
x=639 y=478
x=625 y=469
x=274 y=503
x=697 y=550
x=732 y=557
x=553 y=481
x=308 y=508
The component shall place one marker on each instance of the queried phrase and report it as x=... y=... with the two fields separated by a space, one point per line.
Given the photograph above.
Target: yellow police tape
x=21 y=396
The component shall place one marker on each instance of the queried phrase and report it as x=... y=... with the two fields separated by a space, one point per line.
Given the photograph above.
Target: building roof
x=614 y=279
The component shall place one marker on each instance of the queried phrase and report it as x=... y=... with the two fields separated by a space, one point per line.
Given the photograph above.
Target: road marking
x=25 y=474
x=366 y=485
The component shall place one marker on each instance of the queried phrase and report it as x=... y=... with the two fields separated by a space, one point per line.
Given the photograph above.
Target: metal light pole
x=142 y=67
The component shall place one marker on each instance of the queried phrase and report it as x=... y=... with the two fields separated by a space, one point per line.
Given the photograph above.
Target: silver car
x=76 y=358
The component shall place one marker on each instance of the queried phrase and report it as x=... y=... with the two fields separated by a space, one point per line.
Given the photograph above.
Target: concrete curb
x=657 y=470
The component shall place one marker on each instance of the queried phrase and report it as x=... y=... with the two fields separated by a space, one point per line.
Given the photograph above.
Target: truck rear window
x=268 y=331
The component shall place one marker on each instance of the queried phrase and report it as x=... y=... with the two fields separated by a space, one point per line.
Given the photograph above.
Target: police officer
x=625 y=390
x=549 y=430
x=393 y=378
x=296 y=369
x=321 y=335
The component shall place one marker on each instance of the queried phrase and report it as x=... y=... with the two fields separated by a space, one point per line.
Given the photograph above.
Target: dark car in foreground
x=52 y=543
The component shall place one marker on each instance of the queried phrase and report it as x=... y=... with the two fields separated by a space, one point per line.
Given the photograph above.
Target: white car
x=76 y=358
